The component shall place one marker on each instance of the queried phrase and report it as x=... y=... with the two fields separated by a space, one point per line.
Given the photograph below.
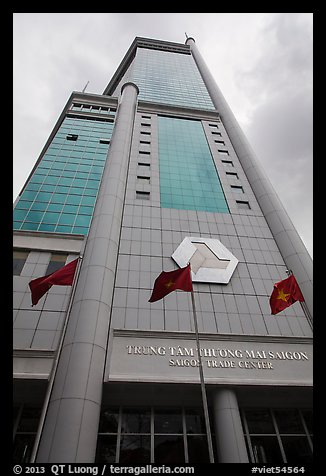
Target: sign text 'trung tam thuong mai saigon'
x=150 y=358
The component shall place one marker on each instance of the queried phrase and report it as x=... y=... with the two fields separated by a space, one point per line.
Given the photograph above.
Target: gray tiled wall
x=151 y=234
x=38 y=327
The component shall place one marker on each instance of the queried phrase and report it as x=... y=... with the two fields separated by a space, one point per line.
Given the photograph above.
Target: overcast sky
x=262 y=63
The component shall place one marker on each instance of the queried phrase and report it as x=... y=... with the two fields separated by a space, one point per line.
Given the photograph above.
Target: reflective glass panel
x=168 y=421
x=19 y=258
x=288 y=421
x=168 y=449
x=136 y=421
x=106 y=449
x=68 y=172
x=188 y=176
x=135 y=449
x=260 y=421
x=297 y=449
x=57 y=261
x=198 y=449
x=109 y=421
x=266 y=449
x=23 y=446
x=169 y=78
x=308 y=418
x=29 y=420
x=195 y=422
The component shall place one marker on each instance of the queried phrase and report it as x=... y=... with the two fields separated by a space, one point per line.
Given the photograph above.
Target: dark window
x=195 y=422
x=232 y=174
x=57 y=261
x=143 y=195
x=297 y=449
x=243 y=205
x=109 y=421
x=277 y=436
x=168 y=421
x=73 y=137
x=24 y=435
x=227 y=163
x=19 y=259
x=198 y=449
x=135 y=449
x=148 y=435
x=266 y=449
x=169 y=449
x=308 y=418
x=136 y=421
x=289 y=421
x=260 y=421
x=106 y=448
x=237 y=188
x=143 y=180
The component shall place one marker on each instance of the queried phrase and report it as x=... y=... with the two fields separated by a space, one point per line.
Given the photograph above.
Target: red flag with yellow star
x=285 y=293
x=169 y=281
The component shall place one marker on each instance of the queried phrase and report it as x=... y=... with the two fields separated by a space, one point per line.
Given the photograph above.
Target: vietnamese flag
x=285 y=293
x=169 y=281
x=62 y=277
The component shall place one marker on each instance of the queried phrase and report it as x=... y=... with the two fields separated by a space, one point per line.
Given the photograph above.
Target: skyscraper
x=151 y=175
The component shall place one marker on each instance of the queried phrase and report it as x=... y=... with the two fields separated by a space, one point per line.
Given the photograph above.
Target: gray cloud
x=261 y=61
x=279 y=88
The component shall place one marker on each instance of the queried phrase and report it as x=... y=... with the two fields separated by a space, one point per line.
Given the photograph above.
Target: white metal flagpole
x=304 y=307
x=55 y=365
x=202 y=384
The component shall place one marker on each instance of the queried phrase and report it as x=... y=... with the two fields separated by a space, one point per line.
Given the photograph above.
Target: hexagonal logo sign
x=210 y=260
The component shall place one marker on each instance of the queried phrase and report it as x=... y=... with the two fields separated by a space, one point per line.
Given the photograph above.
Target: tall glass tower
x=148 y=176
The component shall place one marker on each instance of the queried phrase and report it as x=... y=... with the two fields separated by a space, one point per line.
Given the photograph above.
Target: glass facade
x=169 y=78
x=61 y=194
x=188 y=176
x=151 y=435
x=278 y=436
x=25 y=421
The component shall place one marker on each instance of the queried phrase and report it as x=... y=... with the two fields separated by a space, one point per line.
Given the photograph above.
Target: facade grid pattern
x=169 y=78
x=61 y=194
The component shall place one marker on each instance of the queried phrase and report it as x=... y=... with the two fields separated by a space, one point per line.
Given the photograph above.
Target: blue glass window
x=169 y=78
x=67 y=176
x=188 y=176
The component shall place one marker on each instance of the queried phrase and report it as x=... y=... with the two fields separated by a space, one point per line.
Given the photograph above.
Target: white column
x=70 y=430
x=292 y=249
x=231 y=446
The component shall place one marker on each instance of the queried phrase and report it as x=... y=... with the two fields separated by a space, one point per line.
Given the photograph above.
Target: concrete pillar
x=291 y=247
x=70 y=429
x=231 y=446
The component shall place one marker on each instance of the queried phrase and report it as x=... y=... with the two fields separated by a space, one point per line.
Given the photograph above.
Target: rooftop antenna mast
x=186 y=35
x=85 y=86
